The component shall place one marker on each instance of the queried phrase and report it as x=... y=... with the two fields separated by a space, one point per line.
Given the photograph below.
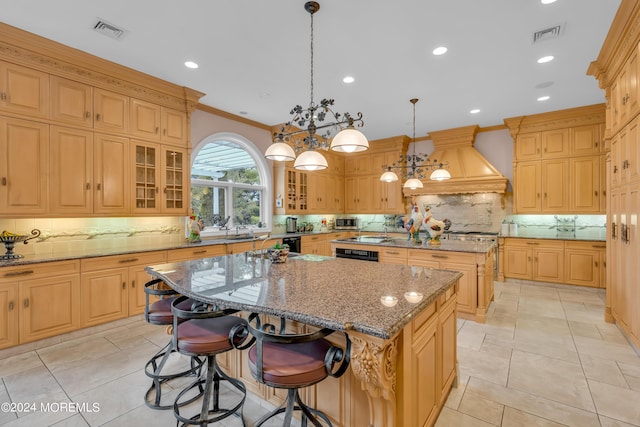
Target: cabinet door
x=145 y=119
x=630 y=167
x=584 y=183
x=71 y=102
x=24 y=167
x=71 y=181
x=394 y=199
x=174 y=127
x=351 y=195
x=632 y=87
x=137 y=298
x=617 y=145
x=111 y=168
x=585 y=140
x=335 y=193
x=517 y=260
x=582 y=267
x=527 y=191
x=425 y=387
x=528 y=147
x=104 y=296
x=111 y=111
x=9 y=315
x=175 y=183
x=630 y=260
x=49 y=307
x=468 y=285
x=555 y=185
x=24 y=90
x=318 y=193
x=146 y=177
x=448 y=333
x=364 y=193
x=548 y=264
x=555 y=143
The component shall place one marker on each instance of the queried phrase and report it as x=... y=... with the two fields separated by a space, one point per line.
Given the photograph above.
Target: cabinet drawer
x=442 y=256
x=36 y=271
x=533 y=243
x=117 y=261
x=336 y=236
x=313 y=239
x=585 y=245
x=196 y=252
x=393 y=255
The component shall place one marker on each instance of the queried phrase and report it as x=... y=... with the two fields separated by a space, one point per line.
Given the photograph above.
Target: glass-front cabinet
x=175 y=182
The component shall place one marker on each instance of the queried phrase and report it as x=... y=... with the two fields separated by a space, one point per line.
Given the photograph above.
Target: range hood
x=470 y=171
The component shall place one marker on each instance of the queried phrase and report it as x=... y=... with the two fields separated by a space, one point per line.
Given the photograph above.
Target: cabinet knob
x=87 y=114
x=98 y=117
x=157 y=130
x=3 y=96
x=596 y=193
x=26 y=303
x=4 y=180
x=99 y=187
x=88 y=186
x=124 y=285
x=10 y=305
x=133 y=283
x=596 y=264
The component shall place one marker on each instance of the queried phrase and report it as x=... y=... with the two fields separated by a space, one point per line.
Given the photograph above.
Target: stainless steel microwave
x=346 y=223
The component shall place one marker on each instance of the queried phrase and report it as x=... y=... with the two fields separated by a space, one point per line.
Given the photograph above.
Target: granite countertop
x=596 y=236
x=340 y=294
x=445 y=245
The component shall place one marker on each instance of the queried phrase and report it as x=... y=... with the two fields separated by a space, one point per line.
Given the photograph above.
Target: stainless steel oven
x=477 y=236
x=364 y=255
x=346 y=224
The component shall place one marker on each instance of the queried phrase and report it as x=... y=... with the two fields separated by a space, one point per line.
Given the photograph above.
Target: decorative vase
x=278 y=256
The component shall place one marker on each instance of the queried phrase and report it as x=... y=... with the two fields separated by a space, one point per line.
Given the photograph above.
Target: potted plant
x=278 y=253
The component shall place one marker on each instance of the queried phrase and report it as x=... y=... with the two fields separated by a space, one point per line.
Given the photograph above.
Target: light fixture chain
x=312 y=104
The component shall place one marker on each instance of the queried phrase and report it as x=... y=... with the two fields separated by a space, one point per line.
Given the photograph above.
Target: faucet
x=385 y=230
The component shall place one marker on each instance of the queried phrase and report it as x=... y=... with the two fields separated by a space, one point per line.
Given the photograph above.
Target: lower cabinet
x=316 y=244
x=113 y=286
x=38 y=301
x=585 y=263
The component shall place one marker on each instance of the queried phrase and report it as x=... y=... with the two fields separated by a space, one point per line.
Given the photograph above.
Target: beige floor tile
x=66 y=354
x=451 y=418
x=610 y=422
x=73 y=421
x=456 y=393
x=34 y=386
x=18 y=363
x=483 y=409
x=606 y=371
x=616 y=402
x=606 y=350
x=551 y=378
x=491 y=363
x=516 y=418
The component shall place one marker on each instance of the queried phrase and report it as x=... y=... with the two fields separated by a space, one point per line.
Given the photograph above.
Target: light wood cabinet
x=111 y=169
x=111 y=111
x=71 y=187
x=71 y=102
x=314 y=244
x=586 y=140
x=39 y=301
x=585 y=189
x=113 y=286
x=23 y=90
x=393 y=255
x=358 y=194
x=175 y=180
x=155 y=122
x=387 y=197
x=534 y=259
x=335 y=194
x=175 y=129
x=584 y=263
x=24 y=167
x=196 y=252
x=542 y=186
x=542 y=145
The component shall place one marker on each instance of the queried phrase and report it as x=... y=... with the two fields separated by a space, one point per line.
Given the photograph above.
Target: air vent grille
x=108 y=29
x=547 y=34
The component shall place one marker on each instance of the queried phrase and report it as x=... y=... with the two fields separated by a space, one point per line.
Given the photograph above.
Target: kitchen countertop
x=445 y=245
x=322 y=291
x=597 y=236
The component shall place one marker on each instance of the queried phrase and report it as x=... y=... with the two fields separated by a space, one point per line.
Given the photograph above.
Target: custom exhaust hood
x=470 y=171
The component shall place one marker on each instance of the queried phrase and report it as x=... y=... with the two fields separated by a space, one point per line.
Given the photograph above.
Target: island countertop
x=321 y=291
x=445 y=245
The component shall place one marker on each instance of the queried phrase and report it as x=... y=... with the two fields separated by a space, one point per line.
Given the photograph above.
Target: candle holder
x=10 y=239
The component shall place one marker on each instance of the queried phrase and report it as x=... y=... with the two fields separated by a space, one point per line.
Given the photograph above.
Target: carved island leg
x=374 y=363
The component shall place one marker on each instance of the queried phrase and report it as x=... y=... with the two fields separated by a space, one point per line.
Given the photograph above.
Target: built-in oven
x=360 y=254
x=294 y=243
x=477 y=236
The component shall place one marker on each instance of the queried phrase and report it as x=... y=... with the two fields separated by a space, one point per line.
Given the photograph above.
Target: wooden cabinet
x=38 y=301
x=542 y=186
x=155 y=122
x=534 y=259
x=71 y=102
x=113 y=286
x=297 y=191
x=111 y=174
x=335 y=194
x=358 y=194
x=24 y=167
x=23 y=90
x=146 y=177
x=195 y=252
x=175 y=180
x=584 y=263
x=393 y=255
x=174 y=127
x=542 y=145
x=586 y=140
x=111 y=111
x=315 y=244
x=585 y=188
x=387 y=197
x=71 y=187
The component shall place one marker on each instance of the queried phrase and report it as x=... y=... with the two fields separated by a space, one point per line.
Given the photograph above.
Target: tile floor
x=545 y=357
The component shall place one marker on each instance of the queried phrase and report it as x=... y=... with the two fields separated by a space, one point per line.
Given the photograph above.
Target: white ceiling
x=255 y=61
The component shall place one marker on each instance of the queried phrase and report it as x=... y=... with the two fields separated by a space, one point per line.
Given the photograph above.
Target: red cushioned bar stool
x=293 y=361
x=206 y=332
x=159 y=313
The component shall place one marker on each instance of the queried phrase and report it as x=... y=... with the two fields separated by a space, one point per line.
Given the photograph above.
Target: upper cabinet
x=558 y=161
x=80 y=136
x=23 y=90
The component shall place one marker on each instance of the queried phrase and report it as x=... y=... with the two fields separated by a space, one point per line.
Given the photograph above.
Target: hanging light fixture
x=308 y=121
x=417 y=164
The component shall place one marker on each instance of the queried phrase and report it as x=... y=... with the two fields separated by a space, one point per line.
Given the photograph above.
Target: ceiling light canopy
x=414 y=166
x=300 y=133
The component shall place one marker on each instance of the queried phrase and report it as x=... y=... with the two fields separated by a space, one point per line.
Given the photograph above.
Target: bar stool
x=159 y=313
x=200 y=332
x=293 y=361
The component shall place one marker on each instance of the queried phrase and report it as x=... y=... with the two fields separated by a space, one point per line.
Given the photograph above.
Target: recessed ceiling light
x=543 y=85
x=242 y=113
x=475 y=111
x=441 y=50
x=547 y=1
x=348 y=79
x=544 y=98
x=545 y=59
x=190 y=64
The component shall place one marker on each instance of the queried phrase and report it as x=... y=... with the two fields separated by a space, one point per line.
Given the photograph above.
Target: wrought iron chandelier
x=307 y=121
x=415 y=166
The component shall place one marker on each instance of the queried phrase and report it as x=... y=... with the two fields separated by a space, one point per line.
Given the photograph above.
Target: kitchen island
x=475 y=259
x=401 y=321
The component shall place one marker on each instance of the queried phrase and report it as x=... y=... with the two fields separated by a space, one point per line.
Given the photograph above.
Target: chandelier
x=301 y=131
x=415 y=166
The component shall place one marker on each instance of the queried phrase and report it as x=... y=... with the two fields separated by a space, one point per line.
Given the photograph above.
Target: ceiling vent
x=108 y=29
x=547 y=34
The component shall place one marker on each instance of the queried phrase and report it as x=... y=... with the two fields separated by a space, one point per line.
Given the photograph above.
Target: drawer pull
x=88 y=186
x=599 y=246
x=533 y=243
x=124 y=261
x=199 y=252
x=392 y=252
x=18 y=273
x=4 y=180
x=133 y=283
x=124 y=285
x=440 y=256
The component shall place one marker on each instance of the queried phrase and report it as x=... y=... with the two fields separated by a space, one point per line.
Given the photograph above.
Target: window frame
x=264 y=172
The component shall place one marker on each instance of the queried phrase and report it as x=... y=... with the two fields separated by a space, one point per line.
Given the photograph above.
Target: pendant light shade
x=281 y=152
x=389 y=176
x=440 y=175
x=349 y=140
x=310 y=161
x=413 y=183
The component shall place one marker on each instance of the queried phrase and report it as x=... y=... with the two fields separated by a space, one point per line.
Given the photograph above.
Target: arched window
x=229 y=179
